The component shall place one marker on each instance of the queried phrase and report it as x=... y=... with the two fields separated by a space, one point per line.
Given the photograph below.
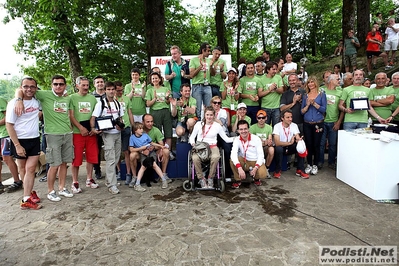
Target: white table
x=369 y=166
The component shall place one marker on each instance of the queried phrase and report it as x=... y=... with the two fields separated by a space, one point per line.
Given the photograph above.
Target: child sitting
x=142 y=143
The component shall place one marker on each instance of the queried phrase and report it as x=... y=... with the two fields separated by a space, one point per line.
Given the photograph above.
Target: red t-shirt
x=371 y=46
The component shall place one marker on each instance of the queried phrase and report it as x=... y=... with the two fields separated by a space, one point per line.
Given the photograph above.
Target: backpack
x=203 y=150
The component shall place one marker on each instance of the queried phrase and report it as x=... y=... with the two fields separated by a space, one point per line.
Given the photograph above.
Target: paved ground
x=283 y=222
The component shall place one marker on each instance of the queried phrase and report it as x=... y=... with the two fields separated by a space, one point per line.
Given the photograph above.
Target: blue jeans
x=251 y=112
x=216 y=91
x=203 y=95
x=273 y=115
x=332 y=136
x=354 y=125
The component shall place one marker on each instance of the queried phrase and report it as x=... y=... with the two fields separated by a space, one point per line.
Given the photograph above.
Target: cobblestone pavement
x=283 y=222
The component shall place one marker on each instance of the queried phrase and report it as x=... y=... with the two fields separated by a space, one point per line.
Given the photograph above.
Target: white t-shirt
x=290 y=66
x=113 y=111
x=27 y=125
x=392 y=35
x=210 y=131
x=285 y=134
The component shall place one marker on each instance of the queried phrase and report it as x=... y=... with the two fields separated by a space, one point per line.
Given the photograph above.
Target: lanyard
x=204 y=134
x=203 y=68
x=245 y=147
x=287 y=133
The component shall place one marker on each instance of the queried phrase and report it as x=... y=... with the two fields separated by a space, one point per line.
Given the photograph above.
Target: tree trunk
x=220 y=26
x=283 y=25
x=239 y=26
x=262 y=24
x=154 y=17
x=74 y=62
x=363 y=21
x=348 y=20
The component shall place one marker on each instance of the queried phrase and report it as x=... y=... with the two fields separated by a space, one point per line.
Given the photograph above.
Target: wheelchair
x=192 y=183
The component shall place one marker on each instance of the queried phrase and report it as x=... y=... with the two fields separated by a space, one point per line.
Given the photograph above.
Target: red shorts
x=87 y=144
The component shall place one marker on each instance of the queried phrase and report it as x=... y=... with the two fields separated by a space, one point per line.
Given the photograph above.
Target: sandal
x=14 y=187
x=43 y=179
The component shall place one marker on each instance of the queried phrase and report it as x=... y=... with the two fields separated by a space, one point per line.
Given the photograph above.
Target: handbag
x=202 y=149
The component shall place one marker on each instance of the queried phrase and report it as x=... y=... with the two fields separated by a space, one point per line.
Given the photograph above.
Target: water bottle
x=369 y=122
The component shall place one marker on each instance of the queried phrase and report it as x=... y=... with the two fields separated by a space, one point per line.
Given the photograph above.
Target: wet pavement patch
x=272 y=200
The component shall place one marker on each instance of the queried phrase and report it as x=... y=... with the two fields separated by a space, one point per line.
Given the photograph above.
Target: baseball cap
x=261 y=112
x=301 y=148
x=241 y=105
x=232 y=69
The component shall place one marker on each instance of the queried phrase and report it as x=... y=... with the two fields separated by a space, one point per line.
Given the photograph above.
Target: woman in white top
x=207 y=131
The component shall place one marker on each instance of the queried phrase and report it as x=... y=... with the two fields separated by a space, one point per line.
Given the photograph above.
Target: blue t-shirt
x=137 y=142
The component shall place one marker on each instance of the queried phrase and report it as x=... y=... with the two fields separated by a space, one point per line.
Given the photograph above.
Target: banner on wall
x=160 y=61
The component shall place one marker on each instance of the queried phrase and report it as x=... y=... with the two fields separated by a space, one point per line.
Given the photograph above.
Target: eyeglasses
x=26 y=87
x=261 y=117
x=217 y=102
x=58 y=84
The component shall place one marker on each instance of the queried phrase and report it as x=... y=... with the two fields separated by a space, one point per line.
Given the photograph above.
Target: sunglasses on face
x=217 y=102
x=58 y=84
x=261 y=117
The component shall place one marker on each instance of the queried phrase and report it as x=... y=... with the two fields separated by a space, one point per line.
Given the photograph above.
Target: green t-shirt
x=125 y=105
x=332 y=111
x=234 y=118
x=262 y=132
x=396 y=102
x=350 y=48
x=271 y=100
x=3 y=108
x=137 y=102
x=161 y=93
x=378 y=94
x=200 y=77
x=351 y=92
x=156 y=135
x=192 y=102
x=217 y=79
x=250 y=86
x=83 y=107
x=226 y=103
x=55 y=112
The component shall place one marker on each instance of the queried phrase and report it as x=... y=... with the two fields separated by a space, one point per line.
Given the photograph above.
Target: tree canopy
x=91 y=37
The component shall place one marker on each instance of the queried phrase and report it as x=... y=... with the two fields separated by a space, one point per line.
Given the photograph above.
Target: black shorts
x=370 y=54
x=31 y=146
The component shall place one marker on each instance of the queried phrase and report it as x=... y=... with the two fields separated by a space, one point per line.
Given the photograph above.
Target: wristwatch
x=19 y=99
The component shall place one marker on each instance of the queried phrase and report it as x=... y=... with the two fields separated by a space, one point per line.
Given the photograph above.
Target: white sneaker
x=139 y=188
x=314 y=170
x=91 y=183
x=65 y=192
x=53 y=196
x=75 y=188
x=308 y=169
x=113 y=190
x=167 y=178
x=133 y=182
x=164 y=184
x=210 y=182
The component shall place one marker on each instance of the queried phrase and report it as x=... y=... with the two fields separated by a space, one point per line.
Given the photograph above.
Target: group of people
x=255 y=119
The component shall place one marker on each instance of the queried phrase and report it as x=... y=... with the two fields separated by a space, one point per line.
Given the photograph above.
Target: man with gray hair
x=381 y=97
x=347 y=79
x=355 y=118
x=332 y=121
x=81 y=107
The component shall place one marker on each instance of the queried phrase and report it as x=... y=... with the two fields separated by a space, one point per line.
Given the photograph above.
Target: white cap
x=232 y=69
x=241 y=105
x=301 y=148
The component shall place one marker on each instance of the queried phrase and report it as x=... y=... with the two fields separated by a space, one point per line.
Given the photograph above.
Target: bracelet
x=16 y=145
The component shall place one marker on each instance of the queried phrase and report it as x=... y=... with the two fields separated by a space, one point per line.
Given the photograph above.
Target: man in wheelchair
x=247 y=156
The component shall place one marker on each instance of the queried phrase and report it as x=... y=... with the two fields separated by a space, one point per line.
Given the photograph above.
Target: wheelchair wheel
x=222 y=186
x=189 y=166
x=187 y=185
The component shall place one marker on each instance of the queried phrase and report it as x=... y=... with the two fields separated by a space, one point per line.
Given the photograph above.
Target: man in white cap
x=240 y=115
